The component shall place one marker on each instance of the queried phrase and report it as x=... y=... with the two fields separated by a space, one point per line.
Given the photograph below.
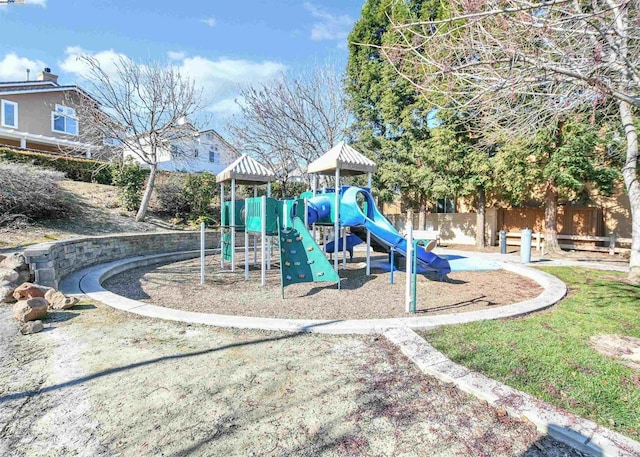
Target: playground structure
x=295 y=221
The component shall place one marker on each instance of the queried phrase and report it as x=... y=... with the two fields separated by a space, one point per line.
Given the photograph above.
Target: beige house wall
x=34 y=112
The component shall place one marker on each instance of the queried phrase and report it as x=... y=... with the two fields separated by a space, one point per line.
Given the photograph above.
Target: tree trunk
x=422 y=215
x=630 y=174
x=481 y=218
x=551 y=218
x=144 y=204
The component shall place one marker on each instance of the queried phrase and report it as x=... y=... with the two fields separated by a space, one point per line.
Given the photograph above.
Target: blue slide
x=351 y=215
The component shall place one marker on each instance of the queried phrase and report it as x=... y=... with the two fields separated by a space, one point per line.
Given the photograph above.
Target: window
x=212 y=154
x=9 y=114
x=446 y=205
x=63 y=120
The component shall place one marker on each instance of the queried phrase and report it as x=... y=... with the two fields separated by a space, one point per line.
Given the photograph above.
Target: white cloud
x=14 y=67
x=72 y=64
x=226 y=107
x=176 y=55
x=221 y=77
x=42 y=3
x=329 y=26
x=210 y=21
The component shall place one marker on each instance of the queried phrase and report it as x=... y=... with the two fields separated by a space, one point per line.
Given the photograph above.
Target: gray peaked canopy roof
x=246 y=170
x=342 y=156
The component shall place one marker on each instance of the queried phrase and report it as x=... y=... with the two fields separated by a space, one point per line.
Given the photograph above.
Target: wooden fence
x=611 y=244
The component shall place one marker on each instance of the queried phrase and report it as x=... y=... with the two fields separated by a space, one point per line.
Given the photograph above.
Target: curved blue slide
x=352 y=215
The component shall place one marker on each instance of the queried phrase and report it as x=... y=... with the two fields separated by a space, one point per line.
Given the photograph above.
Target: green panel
x=226 y=246
x=301 y=259
x=254 y=215
x=286 y=206
x=226 y=215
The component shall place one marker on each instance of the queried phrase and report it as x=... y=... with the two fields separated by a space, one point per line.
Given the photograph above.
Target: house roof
x=246 y=170
x=344 y=157
x=30 y=87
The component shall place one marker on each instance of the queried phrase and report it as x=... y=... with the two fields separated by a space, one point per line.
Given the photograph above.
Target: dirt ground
x=99 y=382
x=177 y=285
x=97 y=213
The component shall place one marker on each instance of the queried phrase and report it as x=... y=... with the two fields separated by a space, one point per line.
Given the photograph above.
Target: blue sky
x=219 y=44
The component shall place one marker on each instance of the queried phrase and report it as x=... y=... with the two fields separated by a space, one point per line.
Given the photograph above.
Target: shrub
x=171 y=197
x=199 y=190
x=30 y=192
x=130 y=178
x=187 y=196
x=77 y=169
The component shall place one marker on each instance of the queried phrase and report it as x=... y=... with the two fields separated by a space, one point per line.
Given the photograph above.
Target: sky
x=221 y=45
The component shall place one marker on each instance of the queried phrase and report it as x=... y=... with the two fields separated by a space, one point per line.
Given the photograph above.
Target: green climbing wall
x=301 y=259
x=226 y=246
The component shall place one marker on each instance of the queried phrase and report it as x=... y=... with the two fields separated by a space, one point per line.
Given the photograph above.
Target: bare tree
x=143 y=108
x=527 y=63
x=288 y=124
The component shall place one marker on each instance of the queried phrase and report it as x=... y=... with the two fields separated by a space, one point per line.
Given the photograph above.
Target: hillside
x=96 y=213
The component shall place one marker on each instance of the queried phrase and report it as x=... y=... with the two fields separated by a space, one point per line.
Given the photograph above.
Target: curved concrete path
x=89 y=282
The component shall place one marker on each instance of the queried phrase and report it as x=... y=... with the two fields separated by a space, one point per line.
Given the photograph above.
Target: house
x=192 y=151
x=41 y=115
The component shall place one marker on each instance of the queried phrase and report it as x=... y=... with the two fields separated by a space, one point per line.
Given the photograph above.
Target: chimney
x=46 y=75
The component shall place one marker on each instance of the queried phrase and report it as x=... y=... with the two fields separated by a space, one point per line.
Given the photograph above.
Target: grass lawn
x=549 y=355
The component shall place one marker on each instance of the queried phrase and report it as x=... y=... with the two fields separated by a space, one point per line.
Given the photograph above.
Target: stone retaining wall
x=50 y=262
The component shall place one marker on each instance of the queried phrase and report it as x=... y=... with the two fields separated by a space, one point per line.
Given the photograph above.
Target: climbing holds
x=287 y=264
x=301 y=275
x=320 y=273
x=292 y=252
x=310 y=248
x=297 y=264
x=310 y=262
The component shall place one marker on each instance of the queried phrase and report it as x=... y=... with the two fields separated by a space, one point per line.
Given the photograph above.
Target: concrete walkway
x=89 y=282
x=537 y=260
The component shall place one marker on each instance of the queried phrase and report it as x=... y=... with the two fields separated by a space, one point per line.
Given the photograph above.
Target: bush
x=77 y=169
x=187 y=196
x=30 y=192
x=171 y=198
x=199 y=190
x=130 y=178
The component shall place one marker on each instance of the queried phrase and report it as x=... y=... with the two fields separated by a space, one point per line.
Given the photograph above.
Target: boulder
x=28 y=290
x=32 y=327
x=8 y=275
x=24 y=276
x=15 y=261
x=57 y=300
x=6 y=292
x=31 y=309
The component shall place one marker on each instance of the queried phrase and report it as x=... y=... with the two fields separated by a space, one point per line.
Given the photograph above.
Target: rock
x=15 y=262
x=8 y=275
x=32 y=327
x=28 y=290
x=24 y=276
x=31 y=309
x=6 y=292
x=57 y=300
